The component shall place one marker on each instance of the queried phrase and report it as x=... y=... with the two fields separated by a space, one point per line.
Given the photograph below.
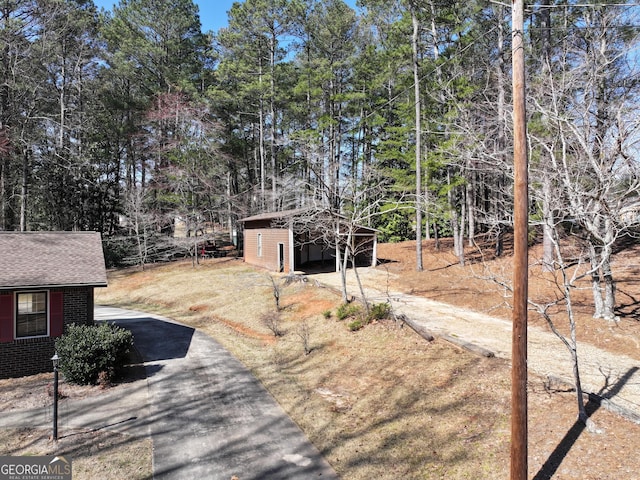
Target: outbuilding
x=296 y=240
x=47 y=281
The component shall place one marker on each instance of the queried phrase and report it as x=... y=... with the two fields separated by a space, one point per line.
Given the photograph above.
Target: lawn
x=380 y=402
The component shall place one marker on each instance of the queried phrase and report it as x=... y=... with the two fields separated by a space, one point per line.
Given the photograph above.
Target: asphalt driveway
x=207 y=415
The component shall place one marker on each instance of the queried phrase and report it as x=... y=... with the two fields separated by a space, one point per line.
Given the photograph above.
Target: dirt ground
x=443 y=279
x=382 y=402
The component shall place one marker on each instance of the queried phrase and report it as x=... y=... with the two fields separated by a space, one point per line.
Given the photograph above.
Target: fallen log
x=419 y=329
x=469 y=346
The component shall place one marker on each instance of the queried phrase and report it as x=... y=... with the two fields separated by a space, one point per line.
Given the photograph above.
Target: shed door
x=281 y=257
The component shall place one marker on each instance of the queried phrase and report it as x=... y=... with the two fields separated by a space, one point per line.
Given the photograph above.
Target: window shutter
x=56 y=313
x=6 y=318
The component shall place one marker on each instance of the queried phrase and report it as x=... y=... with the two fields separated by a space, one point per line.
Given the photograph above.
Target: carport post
x=292 y=250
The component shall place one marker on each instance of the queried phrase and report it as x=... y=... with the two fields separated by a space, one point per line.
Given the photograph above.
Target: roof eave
x=62 y=285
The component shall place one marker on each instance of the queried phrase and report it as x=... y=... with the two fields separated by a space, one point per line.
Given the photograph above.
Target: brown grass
x=95 y=455
x=380 y=402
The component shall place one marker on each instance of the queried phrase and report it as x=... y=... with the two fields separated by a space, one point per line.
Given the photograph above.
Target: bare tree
x=347 y=233
x=138 y=221
x=304 y=333
x=587 y=137
x=272 y=321
x=568 y=273
x=276 y=292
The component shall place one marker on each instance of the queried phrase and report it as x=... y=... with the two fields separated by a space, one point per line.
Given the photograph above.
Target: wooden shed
x=295 y=240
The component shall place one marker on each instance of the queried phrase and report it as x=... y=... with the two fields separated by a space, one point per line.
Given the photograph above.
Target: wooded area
x=123 y=122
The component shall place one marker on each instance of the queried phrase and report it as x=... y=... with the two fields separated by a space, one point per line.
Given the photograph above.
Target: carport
x=302 y=239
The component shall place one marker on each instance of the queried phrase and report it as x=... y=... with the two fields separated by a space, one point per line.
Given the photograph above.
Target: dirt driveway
x=612 y=379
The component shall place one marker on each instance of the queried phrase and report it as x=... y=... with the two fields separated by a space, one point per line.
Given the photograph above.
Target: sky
x=213 y=13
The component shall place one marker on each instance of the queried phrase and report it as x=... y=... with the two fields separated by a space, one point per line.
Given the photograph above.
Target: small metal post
x=55 y=359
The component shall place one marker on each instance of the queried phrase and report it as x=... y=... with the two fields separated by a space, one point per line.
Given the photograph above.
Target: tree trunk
x=501 y=142
x=471 y=219
x=24 y=190
x=582 y=413
x=598 y=301
x=499 y=241
x=573 y=349
x=272 y=112
x=456 y=224
x=349 y=254
x=416 y=90
x=3 y=195
x=460 y=242
x=547 y=227
x=609 y=285
x=342 y=262
x=230 y=211
x=263 y=173
x=571 y=342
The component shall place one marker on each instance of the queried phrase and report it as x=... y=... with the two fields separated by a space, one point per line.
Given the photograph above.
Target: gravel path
x=614 y=379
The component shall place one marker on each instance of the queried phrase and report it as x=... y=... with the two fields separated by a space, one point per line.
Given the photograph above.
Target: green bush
x=326 y=314
x=355 y=325
x=347 y=310
x=379 y=311
x=87 y=351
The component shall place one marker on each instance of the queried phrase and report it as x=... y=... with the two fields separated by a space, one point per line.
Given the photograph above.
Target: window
x=31 y=315
x=259 y=244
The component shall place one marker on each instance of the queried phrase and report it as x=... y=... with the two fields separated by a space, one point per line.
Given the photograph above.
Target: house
x=292 y=240
x=46 y=282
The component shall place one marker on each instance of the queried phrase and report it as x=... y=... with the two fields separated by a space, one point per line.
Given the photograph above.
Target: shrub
x=347 y=310
x=89 y=352
x=272 y=321
x=379 y=311
x=327 y=314
x=355 y=325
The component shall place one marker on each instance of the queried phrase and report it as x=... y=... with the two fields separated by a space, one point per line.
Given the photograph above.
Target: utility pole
x=519 y=434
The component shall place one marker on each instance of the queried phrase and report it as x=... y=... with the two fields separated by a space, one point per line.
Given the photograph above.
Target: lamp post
x=55 y=359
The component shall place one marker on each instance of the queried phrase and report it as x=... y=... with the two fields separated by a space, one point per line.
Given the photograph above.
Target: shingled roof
x=276 y=215
x=51 y=259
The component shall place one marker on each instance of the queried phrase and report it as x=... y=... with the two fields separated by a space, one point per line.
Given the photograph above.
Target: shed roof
x=275 y=215
x=287 y=214
x=51 y=259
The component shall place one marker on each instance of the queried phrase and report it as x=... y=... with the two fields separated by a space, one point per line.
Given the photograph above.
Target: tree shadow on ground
x=550 y=467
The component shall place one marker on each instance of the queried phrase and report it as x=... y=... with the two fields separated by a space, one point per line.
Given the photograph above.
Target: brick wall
x=33 y=355
x=26 y=357
x=78 y=305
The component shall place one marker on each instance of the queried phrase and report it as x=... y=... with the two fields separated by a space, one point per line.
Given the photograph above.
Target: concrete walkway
x=206 y=413
x=613 y=379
